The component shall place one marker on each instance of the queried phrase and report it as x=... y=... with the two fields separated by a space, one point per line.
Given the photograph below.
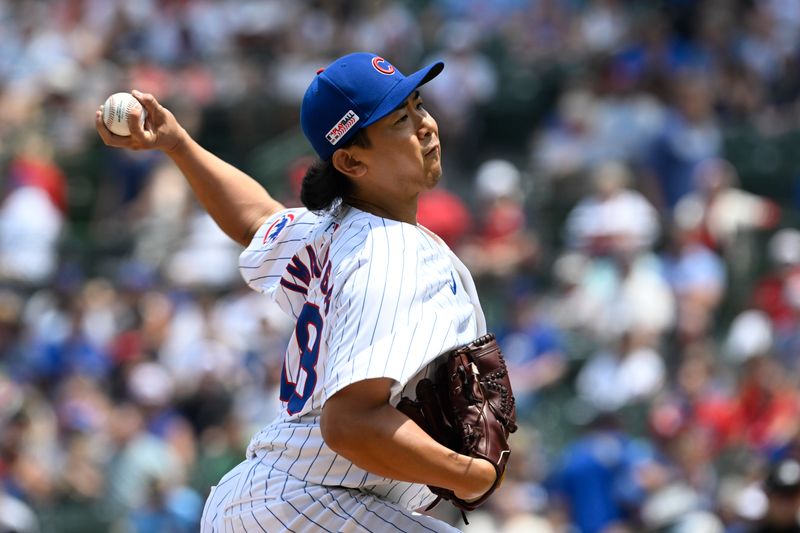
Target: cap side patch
x=342 y=127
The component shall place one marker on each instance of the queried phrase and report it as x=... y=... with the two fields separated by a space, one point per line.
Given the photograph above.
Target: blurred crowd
x=621 y=178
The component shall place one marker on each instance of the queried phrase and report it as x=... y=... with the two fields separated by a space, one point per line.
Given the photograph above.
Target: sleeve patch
x=276 y=228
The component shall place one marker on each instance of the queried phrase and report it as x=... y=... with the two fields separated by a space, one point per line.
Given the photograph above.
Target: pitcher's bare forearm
x=236 y=202
x=359 y=424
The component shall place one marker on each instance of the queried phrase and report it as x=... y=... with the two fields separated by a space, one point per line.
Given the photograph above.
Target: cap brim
x=403 y=90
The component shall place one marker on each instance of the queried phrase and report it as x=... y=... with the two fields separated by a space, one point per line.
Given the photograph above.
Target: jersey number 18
x=308 y=334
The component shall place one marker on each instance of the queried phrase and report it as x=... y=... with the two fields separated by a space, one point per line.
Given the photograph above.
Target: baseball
x=115 y=113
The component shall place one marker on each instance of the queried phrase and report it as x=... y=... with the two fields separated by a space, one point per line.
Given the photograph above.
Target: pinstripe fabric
x=255 y=497
x=373 y=298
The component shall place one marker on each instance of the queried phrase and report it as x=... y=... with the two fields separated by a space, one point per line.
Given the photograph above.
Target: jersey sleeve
x=382 y=329
x=263 y=264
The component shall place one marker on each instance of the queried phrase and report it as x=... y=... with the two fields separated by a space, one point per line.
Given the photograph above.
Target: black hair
x=323 y=185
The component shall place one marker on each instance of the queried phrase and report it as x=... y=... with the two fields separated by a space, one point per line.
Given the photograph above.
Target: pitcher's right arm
x=236 y=202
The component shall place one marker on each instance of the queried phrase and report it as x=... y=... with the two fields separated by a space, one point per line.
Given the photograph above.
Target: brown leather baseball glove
x=468 y=407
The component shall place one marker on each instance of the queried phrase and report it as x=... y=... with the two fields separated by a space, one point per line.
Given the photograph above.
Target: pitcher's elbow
x=334 y=431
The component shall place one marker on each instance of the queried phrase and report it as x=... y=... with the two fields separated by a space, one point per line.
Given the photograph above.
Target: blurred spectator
x=145 y=477
x=698 y=401
x=630 y=294
x=126 y=176
x=691 y=134
x=170 y=511
x=698 y=278
x=689 y=456
x=34 y=166
x=627 y=119
x=603 y=25
x=677 y=509
x=445 y=214
x=613 y=218
x=161 y=216
x=787 y=336
x=759 y=47
x=205 y=258
x=13 y=352
x=16 y=517
x=657 y=50
x=765 y=407
x=721 y=210
x=502 y=246
x=70 y=351
x=391 y=28
x=782 y=489
x=31 y=215
x=750 y=335
x=501 y=252
x=771 y=293
x=534 y=351
x=566 y=145
x=602 y=476
x=197 y=345
x=29 y=445
x=570 y=304
x=777 y=294
x=630 y=371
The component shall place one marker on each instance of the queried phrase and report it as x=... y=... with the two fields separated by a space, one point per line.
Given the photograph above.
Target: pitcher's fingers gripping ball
x=116 y=109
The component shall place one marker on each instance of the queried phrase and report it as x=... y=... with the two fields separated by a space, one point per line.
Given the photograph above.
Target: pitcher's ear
x=348 y=163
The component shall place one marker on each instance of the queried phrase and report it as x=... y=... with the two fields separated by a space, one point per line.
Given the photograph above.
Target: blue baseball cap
x=353 y=92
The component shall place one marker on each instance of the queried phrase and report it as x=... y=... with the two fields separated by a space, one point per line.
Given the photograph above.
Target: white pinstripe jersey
x=373 y=298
